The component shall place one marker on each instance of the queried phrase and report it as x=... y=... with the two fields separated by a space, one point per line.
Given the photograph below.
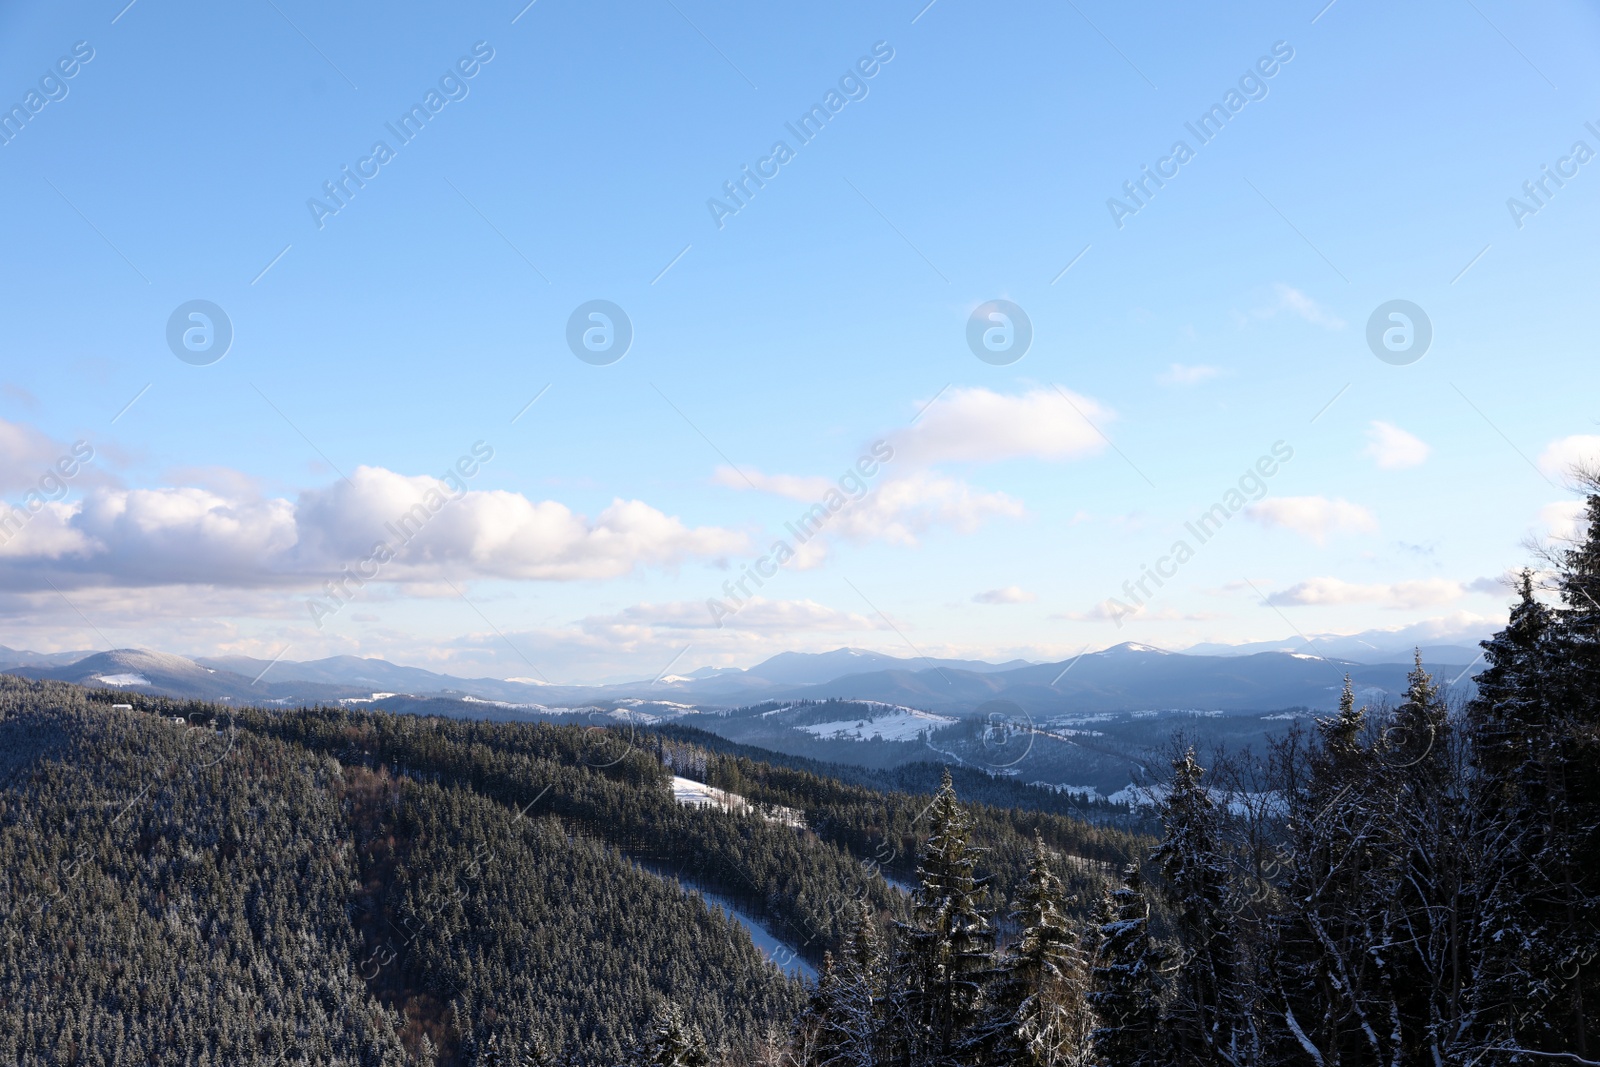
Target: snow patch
x=693 y=794
x=120 y=680
x=904 y=724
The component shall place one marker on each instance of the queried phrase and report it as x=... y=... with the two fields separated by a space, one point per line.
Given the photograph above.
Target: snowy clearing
x=122 y=679
x=690 y=793
x=904 y=724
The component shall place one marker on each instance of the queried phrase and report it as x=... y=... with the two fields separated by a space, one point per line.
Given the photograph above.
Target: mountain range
x=1124 y=678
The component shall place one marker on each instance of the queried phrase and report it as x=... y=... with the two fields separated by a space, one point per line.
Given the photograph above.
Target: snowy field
x=120 y=680
x=901 y=724
x=695 y=794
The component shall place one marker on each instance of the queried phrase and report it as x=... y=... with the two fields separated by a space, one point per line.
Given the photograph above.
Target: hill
x=354 y=886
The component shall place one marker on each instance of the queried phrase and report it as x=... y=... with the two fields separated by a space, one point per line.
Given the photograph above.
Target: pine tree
x=1207 y=1018
x=1569 y=861
x=1540 y=724
x=1126 y=992
x=1323 y=968
x=1509 y=722
x=946 y=950
x=840 y=1025
x=1420 y=945
x=536 y=1052
x=672 y=1043
x=1037 y=1012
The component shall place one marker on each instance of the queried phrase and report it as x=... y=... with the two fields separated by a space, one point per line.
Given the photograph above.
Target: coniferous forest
x=184 y=883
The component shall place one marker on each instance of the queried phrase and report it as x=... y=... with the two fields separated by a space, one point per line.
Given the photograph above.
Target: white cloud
x=1417 y=593
x=793 y=486
x=26 y=455
x=902 y=509
x=1011 y=594
x=1561 y=456
x=1564 y=519
x=1180 y=374
x=975 y=425
x=1295 y=302
x=189 y=535
x=1392 y=448
x=897 y=509
x=1501 y=585
x=1314 y=517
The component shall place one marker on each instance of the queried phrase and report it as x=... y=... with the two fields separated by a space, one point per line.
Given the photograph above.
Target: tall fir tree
x=1323 y=970
x=1126 y=991
x=673 y=1043
x=1208 y=1017
x=1509 y=723
x=1569 y=861
x=944 y=953
x=1423 y=927
x=1037 y=1013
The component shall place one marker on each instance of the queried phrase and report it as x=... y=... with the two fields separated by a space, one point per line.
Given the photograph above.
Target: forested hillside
x=371 y=888
x=174 y=894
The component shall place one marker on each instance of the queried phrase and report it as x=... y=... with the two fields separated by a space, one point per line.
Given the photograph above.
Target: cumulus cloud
x=1180 y=374
x=1011 y=594
x=1392 y=448
x=1417 y=593
x=1561 y=456
x=192 y=535
x=975 y=425
x=1314 y=517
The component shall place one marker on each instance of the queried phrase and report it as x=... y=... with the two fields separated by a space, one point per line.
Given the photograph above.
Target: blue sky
x=374 y=347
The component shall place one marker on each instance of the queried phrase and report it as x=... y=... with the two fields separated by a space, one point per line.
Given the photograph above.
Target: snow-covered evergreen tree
x=1208 y=1017
x=672 y=1043
x=944 y=953
x=1126 y=991
x=1038 y=1013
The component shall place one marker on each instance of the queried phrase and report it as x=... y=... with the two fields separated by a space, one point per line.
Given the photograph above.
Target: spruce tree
x=1569 y=861
x=672 y=1043
x=840 y=1027
x=1509 y=721
x=1420 y=943
x=1037 y=1014
x=945 y=951
x=1322 y=969
x=1207 y=1018
x=1126 y=992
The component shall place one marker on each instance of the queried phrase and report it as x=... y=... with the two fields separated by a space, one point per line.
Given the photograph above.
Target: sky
x=520 y=341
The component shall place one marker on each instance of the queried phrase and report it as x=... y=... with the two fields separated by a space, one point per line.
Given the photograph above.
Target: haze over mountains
x=1124 y=678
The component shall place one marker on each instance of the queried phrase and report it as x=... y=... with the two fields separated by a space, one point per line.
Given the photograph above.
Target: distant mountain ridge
x=1127 y=677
